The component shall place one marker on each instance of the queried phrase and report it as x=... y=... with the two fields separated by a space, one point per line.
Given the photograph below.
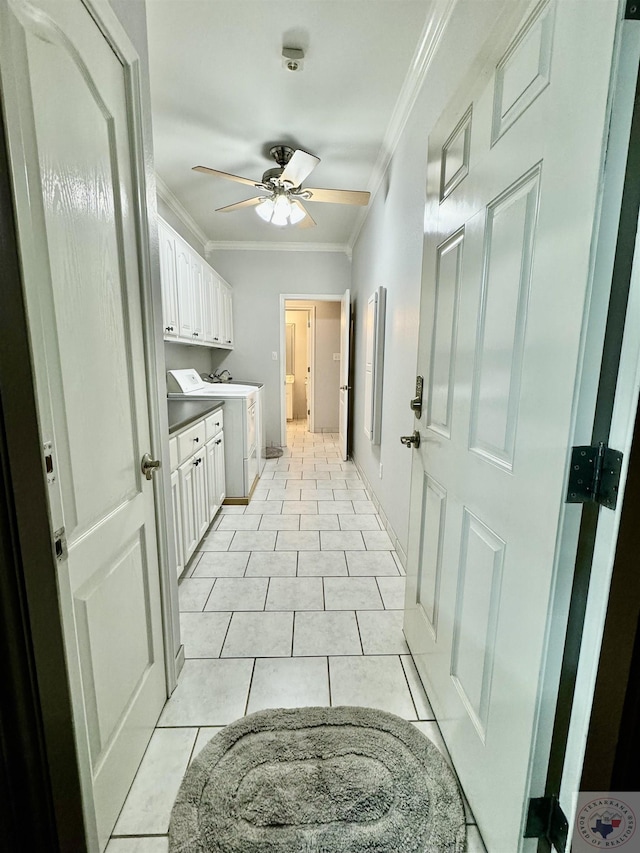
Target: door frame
x=606 y=411
x=298 y=297
x=68 y=770
x=310 y=350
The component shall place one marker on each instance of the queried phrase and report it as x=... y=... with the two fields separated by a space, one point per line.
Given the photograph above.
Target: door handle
x=411 y=440
x=345 y=387
x=149 y=465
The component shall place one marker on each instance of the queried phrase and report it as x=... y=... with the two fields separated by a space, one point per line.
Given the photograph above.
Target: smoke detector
x=292 y=58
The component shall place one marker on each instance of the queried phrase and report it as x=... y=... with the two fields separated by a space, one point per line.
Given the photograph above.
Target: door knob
x=345 y=387
x=411 y=440
x=149 y=465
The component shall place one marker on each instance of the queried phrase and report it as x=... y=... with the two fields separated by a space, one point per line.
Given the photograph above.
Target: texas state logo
x=605 y=823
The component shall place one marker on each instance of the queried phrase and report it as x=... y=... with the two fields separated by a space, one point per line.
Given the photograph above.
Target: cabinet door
x=220 y=486
x=185 y=290
x=212 y=492
x=221 y=327
x=228 y=316
x=197 y=297
x=168 y=281
x=188 y=506
x=177 y=522
x=210 y=305
x=201 y=504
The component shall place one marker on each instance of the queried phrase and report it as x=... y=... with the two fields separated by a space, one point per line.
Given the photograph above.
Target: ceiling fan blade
x=338 y=196
x=249 y=202
x=299 y=167
x=207 y=171
x=308 y=221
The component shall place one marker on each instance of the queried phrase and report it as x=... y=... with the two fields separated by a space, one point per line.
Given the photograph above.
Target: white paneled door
x=345 y=338
x=512 y=198
x=69 y=105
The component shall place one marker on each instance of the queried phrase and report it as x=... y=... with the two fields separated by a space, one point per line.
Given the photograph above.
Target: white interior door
x=343 y=414
x=512 y=197
x=71 y=137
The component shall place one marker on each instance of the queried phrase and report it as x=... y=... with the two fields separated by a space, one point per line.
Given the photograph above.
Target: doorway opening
x=310 y=359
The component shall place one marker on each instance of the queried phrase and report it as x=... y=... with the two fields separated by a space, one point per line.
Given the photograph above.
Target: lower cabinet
x=193 y=497
x=176 y=503
x=215 y=474
x=198 y=490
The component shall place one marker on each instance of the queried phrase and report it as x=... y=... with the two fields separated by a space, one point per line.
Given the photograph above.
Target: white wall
x=388 y=252
x=258 y=278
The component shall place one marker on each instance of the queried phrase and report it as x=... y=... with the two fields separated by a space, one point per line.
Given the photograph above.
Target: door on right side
x=514 y=170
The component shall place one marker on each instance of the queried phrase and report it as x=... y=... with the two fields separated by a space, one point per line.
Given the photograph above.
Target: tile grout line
x=226 y=634
x=213 y=585
x=253 y=669
x=406 y=678
x=355 y=613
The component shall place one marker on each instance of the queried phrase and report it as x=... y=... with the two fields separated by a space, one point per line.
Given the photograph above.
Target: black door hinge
x=632 y=11
x=545 y=819
x=595 y=475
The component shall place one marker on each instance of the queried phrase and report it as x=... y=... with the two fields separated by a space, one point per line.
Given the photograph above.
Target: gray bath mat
x=318 y=780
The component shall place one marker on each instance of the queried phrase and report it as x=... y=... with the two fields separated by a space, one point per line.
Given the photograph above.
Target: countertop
x=184 y=412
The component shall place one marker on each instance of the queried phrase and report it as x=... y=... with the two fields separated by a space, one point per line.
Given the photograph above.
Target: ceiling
x=221 y=97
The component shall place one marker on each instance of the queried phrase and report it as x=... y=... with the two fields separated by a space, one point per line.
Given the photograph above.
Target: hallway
x=295 y=599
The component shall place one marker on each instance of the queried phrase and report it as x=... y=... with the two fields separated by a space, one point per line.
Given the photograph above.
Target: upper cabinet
x=196 y=302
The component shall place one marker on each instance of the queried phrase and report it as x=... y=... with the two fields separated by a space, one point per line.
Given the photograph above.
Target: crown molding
x=183 y=215
x=260 y=246
x=420 y=65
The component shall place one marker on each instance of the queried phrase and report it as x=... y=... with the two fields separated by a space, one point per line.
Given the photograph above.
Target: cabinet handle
x=216 y=339
x=196 y=334
x=169 y=329
x=196 y=439
x=219 y=441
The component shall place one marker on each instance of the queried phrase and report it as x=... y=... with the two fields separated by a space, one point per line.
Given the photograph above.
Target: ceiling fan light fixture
x=281 y=211
x=297 y=214
x=265 y=209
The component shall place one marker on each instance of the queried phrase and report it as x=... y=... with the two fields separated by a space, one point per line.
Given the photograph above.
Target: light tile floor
x=293 y=600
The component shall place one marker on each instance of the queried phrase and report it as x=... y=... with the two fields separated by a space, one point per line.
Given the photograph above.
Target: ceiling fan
x=282 y=204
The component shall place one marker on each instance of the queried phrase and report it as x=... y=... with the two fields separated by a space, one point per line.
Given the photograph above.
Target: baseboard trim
x=400 y=551
x=179 y=661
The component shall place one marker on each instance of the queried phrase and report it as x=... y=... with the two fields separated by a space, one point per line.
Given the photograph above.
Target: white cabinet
x=170 y=313
x=177 y=522
x=215 y=474
x=193 y=496
x=210 y=305
x=197 y=482
x=197 y=304
x=185 y=291
x=215 y=463
x=226 y=314
x=197 y=298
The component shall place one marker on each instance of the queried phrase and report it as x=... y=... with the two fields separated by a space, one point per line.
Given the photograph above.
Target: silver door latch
x=411 y=440
x=416 y=402
x=149 y=465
